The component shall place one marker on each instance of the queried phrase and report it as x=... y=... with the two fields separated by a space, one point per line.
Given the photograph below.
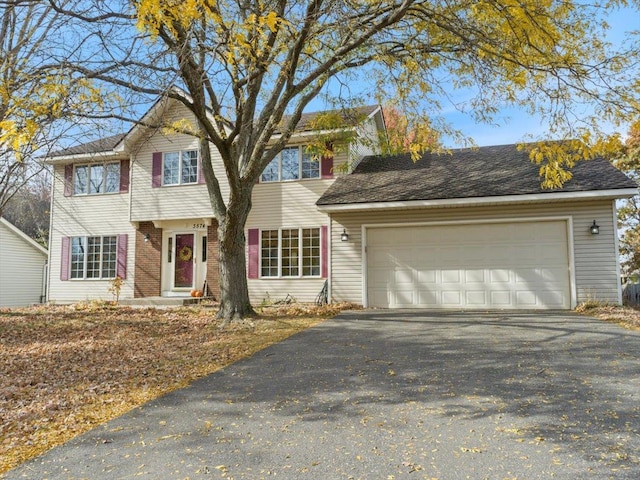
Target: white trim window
x=292 y=163
x=180 y=168
x=94 y=257
x=290 y=252
x=97 y=178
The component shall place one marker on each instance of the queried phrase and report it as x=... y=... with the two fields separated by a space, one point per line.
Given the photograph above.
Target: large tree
x=249 y=68
x=29 y=208
x=36 y=90
x=629 y=211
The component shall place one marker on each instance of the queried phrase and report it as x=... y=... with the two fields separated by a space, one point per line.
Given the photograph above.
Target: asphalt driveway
x=391 y=395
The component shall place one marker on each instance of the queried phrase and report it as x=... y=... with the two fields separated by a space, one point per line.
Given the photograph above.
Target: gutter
x=479 y=201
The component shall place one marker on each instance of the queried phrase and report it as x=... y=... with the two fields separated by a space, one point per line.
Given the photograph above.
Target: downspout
x=617 y=251
x=45 y=274
x=47 y=280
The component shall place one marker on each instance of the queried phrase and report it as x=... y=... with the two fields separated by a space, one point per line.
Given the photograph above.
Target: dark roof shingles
x=107 y=144
x=351 y=116
x=465 y=173
x=102 y=145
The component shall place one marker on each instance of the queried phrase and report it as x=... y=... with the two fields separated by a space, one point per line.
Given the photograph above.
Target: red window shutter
x=326 y=167
x=124 y=176
x=64 y=262
x=121 y=262
x=324 y=251
x=68 y=180
x=253 y=244
x=156 y=170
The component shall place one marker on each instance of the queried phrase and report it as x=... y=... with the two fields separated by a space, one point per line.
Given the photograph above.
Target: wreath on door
x=185 y=253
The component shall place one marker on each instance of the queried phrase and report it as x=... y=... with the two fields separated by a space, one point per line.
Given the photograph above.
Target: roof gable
x=123 y=142
x=22 y=236
x=350 y=116
x=465 y=173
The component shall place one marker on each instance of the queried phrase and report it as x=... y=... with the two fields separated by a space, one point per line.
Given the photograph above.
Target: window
x=290 y=248
x=96 y=179
x=269 y=253
x=282 y=255
x=292 y=163
x=180 y=167
x=204 y=249
x=93 y=257
x=310 y=167
x=310 y=252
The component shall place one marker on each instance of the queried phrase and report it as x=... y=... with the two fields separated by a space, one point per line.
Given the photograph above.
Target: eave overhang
x=482 y=201
x=87 y=157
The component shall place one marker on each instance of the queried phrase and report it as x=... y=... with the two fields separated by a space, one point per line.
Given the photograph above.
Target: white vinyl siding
x=86 y=216
x=175 y=203
x=283 y=205
x=368 y=143
x=594 y=256
x=22 y=268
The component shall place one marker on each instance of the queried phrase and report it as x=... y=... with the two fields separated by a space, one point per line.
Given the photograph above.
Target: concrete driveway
x=391 y=395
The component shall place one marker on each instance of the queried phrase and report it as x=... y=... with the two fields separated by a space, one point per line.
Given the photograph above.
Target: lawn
x=67 y=369
x=626 y=316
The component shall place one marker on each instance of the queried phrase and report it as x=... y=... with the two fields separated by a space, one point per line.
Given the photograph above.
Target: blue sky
x=515 y=124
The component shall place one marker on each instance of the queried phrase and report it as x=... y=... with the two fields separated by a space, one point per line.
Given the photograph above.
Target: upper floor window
x=292 y=163
x=96 y=178
x=180 y=167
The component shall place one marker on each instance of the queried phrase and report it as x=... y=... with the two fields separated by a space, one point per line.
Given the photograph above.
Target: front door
x=183 y=266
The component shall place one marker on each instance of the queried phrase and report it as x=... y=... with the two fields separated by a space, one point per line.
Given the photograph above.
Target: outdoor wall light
x=147 y=237
x=345 y=236
x=594 y=229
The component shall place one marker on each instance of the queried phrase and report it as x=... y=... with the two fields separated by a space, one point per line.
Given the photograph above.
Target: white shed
x=22 y=267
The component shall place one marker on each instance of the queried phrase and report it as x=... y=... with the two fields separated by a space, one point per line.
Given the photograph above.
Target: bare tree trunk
x=234 y=293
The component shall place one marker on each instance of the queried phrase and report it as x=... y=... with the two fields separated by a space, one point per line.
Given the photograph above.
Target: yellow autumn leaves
x=29 y=102
x=244 y=39
x=556 y=159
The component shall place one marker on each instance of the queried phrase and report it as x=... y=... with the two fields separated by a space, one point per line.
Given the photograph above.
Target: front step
x=164 y=301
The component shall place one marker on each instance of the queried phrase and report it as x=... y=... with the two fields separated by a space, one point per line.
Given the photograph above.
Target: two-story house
x=136 y=206
x=469 y=229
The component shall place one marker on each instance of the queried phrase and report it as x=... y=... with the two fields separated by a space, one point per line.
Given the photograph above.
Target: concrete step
x=165 y=301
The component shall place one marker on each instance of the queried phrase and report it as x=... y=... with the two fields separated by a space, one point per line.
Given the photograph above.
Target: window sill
x=262 y=182
x=173 y=185
x=98 y=195
x=298 y=277
x=105 y=279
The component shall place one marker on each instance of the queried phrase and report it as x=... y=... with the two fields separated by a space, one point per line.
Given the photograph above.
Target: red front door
x=183 y=272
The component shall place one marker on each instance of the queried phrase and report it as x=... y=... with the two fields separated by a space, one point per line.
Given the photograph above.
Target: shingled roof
x=465 y=173
x=102 y=145
x=351 y=116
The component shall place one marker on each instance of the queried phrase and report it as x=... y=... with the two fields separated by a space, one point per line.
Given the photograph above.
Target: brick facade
x=213 y=286
x=148 y=261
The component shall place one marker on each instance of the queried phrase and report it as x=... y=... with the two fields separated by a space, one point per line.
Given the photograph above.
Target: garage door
x=499 y=265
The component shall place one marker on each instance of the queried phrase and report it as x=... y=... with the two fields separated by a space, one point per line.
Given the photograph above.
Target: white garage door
x=499 y=265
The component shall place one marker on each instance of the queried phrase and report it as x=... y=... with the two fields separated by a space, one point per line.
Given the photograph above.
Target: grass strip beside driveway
x=67 y=369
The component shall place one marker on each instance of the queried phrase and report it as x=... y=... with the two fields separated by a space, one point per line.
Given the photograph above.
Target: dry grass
x=628 y=317
x=68 y=369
